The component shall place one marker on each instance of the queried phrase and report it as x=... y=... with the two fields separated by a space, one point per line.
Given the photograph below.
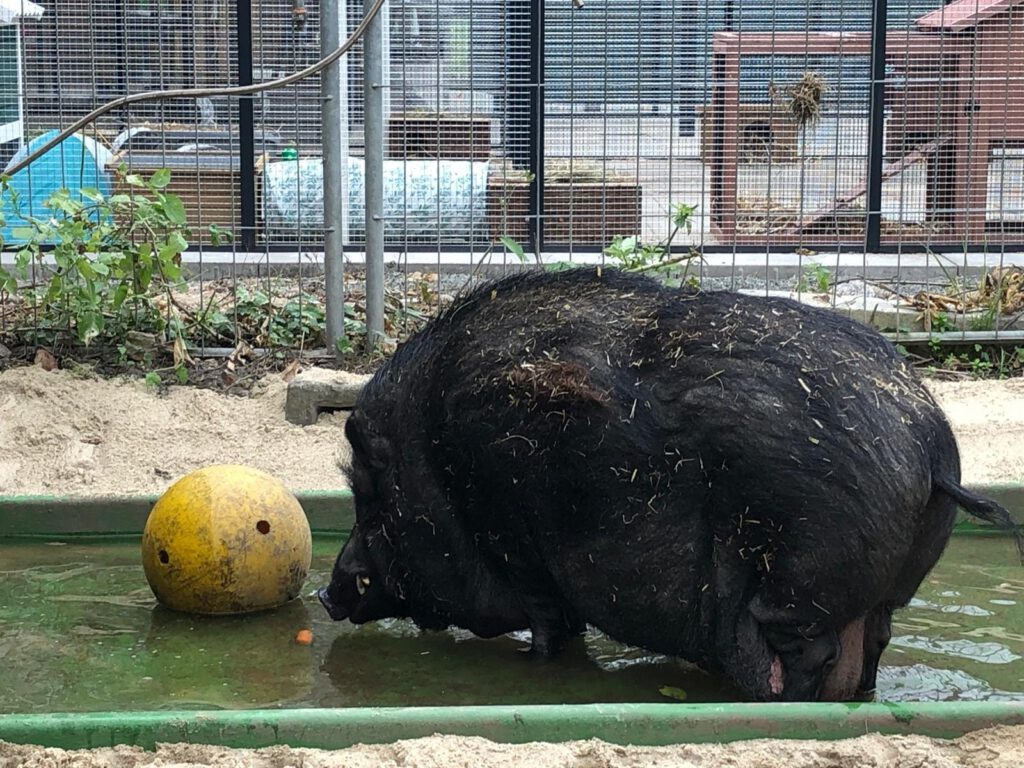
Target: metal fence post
x=373 y=140
x=876 y=126
x=246 y=129
x=334 y=114
x=537 y=127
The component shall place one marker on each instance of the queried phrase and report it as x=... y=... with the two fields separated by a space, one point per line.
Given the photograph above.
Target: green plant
x=114 y=257
x=817 y=276
x=984 y=362
x=987 y=320
x=941 y=322
x=632 y=255
x=294 y=323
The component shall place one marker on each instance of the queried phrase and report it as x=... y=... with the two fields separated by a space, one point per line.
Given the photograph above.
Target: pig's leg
x=553 y=623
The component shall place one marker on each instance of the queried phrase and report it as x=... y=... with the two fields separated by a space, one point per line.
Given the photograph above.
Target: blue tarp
x=76 y=163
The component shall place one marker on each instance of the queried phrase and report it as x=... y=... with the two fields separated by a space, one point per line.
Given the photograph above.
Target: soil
x=989 y=748
x=72 y=433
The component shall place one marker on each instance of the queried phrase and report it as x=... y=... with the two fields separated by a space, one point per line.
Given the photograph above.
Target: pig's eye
x=362 y=582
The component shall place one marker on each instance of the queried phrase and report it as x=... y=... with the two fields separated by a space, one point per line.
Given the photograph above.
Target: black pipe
x=876 y=126
x=246 y=128
x=536 y=209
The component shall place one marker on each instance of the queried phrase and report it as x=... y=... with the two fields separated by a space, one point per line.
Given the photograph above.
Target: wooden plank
x=888 y=171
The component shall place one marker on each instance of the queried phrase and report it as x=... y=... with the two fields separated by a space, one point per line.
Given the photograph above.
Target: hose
x=195 y=93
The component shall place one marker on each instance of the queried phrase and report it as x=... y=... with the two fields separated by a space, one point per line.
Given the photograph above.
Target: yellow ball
x=226 y=539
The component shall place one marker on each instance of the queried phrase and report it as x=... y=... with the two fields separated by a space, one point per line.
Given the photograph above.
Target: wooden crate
x=588 y=213
x=209 y=185
x=766 y=133
x=446 y=136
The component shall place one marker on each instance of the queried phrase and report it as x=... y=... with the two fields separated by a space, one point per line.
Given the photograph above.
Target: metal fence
x=880 y=137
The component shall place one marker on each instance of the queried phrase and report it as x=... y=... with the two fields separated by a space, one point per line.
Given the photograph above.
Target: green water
x=80 y=631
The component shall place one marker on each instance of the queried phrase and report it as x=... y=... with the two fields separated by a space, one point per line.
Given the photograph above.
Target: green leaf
x=182 y=373
x=134 y=180
x=174 y=210
x=90 y=193
x=160 y=178
x=515 y=247
x=177 y=242
x=100 y=268
x=172 y=271
x=153 y=379
x=673 y=693
x=120 y=295
x=90 y=325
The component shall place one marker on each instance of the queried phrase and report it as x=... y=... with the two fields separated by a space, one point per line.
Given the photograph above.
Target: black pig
x=747 y=483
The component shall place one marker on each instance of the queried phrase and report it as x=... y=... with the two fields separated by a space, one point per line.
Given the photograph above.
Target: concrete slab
x=321 y=391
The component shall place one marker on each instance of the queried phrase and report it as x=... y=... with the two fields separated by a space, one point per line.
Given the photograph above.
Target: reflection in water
x=986 y=653
x=967 y=610
x=920 y=682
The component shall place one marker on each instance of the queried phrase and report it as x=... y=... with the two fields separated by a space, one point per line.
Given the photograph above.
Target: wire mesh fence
x=867 y=151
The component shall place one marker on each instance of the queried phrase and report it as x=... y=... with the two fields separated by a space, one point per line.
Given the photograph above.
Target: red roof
x=964 y=14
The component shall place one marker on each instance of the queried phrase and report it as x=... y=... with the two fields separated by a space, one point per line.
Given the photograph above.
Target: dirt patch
x=64 y=433
x=990 y=748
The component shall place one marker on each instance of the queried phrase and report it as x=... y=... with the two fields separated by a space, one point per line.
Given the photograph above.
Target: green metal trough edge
x=329 y=512
x=84 y=516
x=639 y=724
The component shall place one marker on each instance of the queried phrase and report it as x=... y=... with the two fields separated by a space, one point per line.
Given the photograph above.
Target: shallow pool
x=80 y=631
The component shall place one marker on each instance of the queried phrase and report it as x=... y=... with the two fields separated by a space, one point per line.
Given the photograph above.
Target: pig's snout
x=334 y=611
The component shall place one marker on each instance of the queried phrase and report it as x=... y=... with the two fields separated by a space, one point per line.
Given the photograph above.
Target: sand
x=989 y=748
x=72 y=434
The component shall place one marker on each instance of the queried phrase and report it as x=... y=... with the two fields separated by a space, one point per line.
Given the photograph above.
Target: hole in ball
x=263 y=526
x=164 y=557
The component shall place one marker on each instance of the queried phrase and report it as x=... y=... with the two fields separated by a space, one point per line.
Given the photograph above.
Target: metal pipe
x=246 y=128
x=536 y=210
x=876 y=148
x=373 y=139
x=334 y=114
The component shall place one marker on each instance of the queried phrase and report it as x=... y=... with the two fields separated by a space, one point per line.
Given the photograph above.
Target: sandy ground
x=990 y=748
x=64 y=433
x=69 y=434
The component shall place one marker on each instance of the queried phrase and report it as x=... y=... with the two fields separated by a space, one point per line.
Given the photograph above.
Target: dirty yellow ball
x=226 y=539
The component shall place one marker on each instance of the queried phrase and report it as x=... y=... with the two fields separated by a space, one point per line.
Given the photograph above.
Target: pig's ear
x=367 y=442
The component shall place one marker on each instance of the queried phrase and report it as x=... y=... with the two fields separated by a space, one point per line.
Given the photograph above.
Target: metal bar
x=373 y=185
x=334 y=114
x=246 y=128
x=536 y=211
x=876 y=108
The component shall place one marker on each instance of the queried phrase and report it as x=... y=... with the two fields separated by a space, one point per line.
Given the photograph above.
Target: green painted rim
x=639 y=724
x=119 y=516
x=329 y=512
